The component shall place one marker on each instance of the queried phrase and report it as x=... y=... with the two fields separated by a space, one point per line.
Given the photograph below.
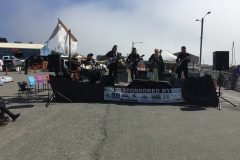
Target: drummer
x=90 y=60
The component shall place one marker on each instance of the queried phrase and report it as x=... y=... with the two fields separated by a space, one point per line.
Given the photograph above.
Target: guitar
x=180 y=62
x=133 y=62
x=113 y=60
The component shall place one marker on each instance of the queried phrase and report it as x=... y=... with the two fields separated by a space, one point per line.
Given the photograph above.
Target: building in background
x=3 y=40
x=23 y=50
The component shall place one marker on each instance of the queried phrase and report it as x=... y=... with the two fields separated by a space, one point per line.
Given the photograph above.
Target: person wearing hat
x=112 y=61
x=182 y=63
x=90 y=60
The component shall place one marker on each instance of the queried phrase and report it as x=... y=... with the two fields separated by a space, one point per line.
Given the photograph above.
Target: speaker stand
x=220 y=97
x=54 y=95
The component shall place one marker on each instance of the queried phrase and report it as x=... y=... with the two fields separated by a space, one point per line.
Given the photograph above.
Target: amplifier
x=177 y=83
x=142 y=75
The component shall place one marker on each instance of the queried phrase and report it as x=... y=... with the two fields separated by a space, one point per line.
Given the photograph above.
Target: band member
x=112 y=61
x=156 y=59
x=182 y=63
x=235 y=75
x=90 y=60
x=132 y=61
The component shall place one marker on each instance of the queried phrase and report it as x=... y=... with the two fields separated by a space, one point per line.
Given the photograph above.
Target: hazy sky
x=100 y=24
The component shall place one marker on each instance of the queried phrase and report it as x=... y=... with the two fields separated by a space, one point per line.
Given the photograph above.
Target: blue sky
x=98 y=25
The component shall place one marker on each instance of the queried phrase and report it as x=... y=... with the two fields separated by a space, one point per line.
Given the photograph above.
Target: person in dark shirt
x=112 y=62
x=90 y=60
x=4 y=109
x=182 y=63
x=132 y=61
x=235 y=75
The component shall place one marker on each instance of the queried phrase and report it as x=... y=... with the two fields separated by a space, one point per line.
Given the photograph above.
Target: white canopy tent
x=168 y=57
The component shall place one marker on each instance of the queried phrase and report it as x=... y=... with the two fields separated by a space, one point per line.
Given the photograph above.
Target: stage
x=138 y=91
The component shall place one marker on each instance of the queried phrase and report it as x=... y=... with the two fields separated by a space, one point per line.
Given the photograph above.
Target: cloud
x=98 y=25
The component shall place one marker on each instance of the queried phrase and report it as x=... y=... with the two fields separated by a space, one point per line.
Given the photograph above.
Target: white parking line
x=232 y=99
x=231 y=96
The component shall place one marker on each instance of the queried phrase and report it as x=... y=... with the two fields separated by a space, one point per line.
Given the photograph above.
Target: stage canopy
x=168 y=57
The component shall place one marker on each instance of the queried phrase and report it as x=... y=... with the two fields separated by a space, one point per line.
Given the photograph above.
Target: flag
x=63 y=38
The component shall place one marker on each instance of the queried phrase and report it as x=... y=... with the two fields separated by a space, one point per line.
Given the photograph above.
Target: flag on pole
x=63 y=38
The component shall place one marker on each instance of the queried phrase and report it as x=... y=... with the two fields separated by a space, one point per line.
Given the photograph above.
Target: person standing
x=1 y=64
x=157 y=60
x=182 y=63
x=235 y=75
x=112 y=61
x=132 y=61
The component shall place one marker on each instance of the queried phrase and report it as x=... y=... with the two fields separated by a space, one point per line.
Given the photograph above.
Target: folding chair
x=32 y=82
x=40 y=82
x=23 y=89
x=47 y=78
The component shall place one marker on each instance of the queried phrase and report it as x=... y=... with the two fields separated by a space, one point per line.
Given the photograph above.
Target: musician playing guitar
x=182 y=63
x=112 y=62
x=132 y=61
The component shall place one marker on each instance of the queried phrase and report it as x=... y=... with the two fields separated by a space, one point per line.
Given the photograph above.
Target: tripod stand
x=219 y=95
x=54 y=95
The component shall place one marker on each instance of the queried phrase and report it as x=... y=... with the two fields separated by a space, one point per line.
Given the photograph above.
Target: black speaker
x=73 y=65
x=107 y=80
x=54 y=62
x=200 y=91
x=177 y=83
x=142 y=75
x=221 y=60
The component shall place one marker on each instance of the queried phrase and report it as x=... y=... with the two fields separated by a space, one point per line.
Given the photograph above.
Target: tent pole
x=70 y=49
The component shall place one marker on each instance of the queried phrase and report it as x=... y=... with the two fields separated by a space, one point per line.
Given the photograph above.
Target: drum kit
x=89 y=72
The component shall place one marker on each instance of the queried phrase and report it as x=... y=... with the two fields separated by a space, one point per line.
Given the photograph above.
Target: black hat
x=90 y=54
x=183 y=47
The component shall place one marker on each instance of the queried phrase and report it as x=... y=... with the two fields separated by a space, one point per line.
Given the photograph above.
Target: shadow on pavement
x=21 y=106
x=193 y=108
x=38 y=99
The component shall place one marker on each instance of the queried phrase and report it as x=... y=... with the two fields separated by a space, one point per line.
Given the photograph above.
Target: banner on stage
x=166 y=95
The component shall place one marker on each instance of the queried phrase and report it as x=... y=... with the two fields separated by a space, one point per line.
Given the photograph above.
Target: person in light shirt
x=1 y=64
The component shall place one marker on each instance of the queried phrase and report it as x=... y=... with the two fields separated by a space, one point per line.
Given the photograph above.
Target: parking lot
x=124 y=131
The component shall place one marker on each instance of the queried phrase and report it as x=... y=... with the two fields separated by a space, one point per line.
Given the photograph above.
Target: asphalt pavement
x=124 y=131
